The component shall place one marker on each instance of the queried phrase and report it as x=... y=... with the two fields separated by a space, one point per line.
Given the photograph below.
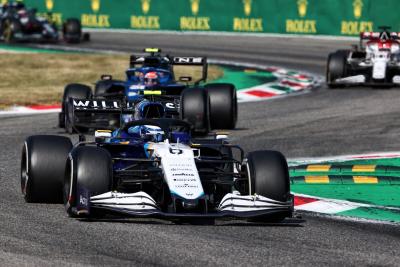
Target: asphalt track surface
x=322 y=123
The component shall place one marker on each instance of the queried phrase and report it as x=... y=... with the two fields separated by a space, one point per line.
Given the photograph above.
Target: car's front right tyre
x=88 y=168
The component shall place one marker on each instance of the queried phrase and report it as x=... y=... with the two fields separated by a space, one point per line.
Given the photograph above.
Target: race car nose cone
x=189 y=204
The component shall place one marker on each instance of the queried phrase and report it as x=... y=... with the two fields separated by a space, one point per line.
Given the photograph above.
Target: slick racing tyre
x=268 y=176
x=336 y=67
x=195 y=109
x=72 y=30
x=87 y=168
x=74 y=90
x=223 y=105
x=43 y=167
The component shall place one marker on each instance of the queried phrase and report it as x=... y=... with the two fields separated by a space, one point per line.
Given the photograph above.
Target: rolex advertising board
x=326 y=17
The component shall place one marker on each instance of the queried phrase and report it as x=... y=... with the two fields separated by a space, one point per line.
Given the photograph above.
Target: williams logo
x=302 y=8
x=49 y=5
x=195 y=5
x=247 y=7
x=357 y=8
x=146 y=6
x=95 y=5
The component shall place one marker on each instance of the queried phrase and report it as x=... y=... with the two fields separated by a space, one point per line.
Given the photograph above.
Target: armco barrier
x=327 y=17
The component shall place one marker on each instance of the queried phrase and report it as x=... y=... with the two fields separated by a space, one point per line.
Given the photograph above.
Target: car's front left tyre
x=43 y=166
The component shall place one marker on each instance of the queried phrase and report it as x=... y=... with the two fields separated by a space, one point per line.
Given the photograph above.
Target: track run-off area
x=319 y=124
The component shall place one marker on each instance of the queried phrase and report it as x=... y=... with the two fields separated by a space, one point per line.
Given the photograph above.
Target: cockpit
x=149 y=76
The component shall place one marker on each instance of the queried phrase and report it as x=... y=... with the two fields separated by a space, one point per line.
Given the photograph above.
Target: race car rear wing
x=96 y=113
x=167 y=62
x=369 y=36
x=376 y=35
x=106 y=114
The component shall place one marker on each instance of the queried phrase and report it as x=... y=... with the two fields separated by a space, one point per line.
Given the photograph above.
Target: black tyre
x=72 y=30
x=43 y=164
x=195 y=108
x=223 y=105
x=269 y=177
x=88 y=168
x=336 y=67
x=74 y=90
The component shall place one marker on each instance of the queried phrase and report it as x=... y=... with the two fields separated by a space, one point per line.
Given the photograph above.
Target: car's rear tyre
x=72 y=30
x=269 y=177
x=73 y=90
x=336 y=68
x=88 y=168
x=223 y=105
x=43 y=166
x=195 y=109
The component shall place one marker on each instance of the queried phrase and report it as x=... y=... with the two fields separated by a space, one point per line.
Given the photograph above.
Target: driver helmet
x=147 y=132
x=151 y=78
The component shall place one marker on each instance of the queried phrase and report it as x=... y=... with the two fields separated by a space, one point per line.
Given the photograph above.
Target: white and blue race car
x=153 y=168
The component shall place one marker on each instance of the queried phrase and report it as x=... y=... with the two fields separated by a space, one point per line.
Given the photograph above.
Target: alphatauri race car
x=153 y=168
x=20 y=24
x=375 y=63
x=152 y=90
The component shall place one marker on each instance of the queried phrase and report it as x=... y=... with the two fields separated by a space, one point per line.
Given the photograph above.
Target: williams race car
x=152 y=90
x=153 y=168
x=19 y=24
x=375 y=63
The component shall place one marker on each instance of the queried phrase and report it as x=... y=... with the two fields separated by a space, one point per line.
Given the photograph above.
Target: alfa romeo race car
x=153 y=168
x=151 y=89
x=375 y=63
x=17 y=23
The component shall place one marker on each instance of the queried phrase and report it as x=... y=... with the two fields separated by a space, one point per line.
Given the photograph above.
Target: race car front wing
x=140 y=204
